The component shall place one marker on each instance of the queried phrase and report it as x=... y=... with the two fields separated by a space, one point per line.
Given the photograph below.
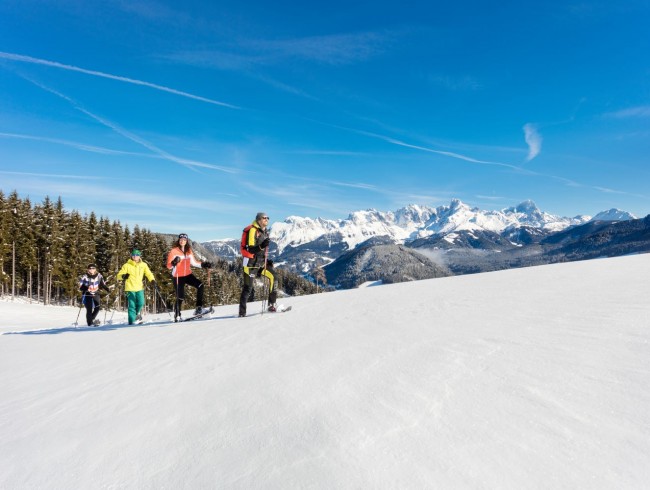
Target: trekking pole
x=115 y=301
x=110 y=320
x=76 y=322
x=105 y=312
x=265 y=290
x=209 y=289
x=177 y=304
x=155 y=287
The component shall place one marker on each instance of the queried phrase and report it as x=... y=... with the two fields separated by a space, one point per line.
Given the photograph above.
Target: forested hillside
x=44 y=249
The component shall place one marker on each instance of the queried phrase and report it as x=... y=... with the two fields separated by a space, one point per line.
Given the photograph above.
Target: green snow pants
x=135 y=304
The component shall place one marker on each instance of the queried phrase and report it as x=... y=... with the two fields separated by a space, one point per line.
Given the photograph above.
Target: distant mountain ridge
x=301 y=244
x=414 y=222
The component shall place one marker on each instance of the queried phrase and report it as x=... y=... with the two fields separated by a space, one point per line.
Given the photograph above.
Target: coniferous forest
x=44 y=250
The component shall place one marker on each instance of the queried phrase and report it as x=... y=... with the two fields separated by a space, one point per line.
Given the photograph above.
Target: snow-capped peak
x=613 y=215
x=413 y=222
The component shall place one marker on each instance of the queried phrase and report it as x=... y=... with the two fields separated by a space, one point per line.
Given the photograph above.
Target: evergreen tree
x=79 y=249
x=53 y=248
x=27 y=251
x=6 y=241
x=103 y=247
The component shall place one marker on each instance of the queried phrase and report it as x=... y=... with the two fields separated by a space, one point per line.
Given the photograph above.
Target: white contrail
x=76 y=145
x=450 y=154
x=534 y=141
x=161 y=153
x=37 y=61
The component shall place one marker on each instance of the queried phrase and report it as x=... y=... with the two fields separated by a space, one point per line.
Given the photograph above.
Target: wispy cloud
x=631 y=112
x=449 y=154
x=76 y=145
x=76 y=186
x=335 y=153
x=456 y=84
x=367 y=187
x=51 y=176
x=534 y=145
x=54 y=64
x=533 y=140
x=191 y=164
x=337 y=49
x=490 y=198
x=244 y=54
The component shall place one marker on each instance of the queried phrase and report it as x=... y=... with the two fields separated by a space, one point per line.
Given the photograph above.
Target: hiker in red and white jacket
x=181 y=260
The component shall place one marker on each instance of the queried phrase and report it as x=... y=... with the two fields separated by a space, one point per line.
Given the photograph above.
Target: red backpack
x=244 y=242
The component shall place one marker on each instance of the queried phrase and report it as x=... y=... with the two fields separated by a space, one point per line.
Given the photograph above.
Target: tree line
x=44 y=249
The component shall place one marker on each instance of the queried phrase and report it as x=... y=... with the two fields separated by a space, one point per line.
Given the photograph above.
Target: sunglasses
x=180 y=237
x=265 y=217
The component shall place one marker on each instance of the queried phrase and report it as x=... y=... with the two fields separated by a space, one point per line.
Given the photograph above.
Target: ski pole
x=209 y=289
x=155 y=287
x=266 y=291
x=76 y=322
x=113 y=308
x=115 y=301
x=105 y=310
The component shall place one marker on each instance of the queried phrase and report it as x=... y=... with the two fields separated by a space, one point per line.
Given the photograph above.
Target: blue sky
x=192 y=118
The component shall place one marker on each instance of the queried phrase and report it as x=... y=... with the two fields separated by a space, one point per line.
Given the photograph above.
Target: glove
x=83 y=288
x=206 y=265
x=155 y=285
x=265 y=243
x=176 y=260
x=125 y=276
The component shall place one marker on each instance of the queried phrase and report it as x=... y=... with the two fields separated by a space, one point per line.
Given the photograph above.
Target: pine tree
x=103 y=247
x=53 y=248
x=27 y=252
x=79 y=248
x=6 y=241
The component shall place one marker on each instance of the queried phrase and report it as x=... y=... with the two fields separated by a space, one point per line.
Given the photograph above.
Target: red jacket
x=184 y=267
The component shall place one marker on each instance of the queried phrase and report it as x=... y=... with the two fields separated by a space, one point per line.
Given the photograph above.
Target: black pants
x=91 y=302
x=248 y=291
x=179 y=284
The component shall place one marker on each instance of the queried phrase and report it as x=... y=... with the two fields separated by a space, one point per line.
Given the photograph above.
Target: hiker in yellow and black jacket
x=254 y=248
x=133 y=273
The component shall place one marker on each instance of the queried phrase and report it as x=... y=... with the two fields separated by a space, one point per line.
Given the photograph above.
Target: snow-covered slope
x=526 y=378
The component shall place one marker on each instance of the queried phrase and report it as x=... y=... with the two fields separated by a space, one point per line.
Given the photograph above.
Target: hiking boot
x=97 y=323
x=272 y=308
x=198 y=310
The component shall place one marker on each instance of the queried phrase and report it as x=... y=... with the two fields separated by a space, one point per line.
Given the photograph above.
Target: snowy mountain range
x=302 y=243
x=415 y=222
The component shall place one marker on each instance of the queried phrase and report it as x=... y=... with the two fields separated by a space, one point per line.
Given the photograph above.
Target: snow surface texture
x=527 y=378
